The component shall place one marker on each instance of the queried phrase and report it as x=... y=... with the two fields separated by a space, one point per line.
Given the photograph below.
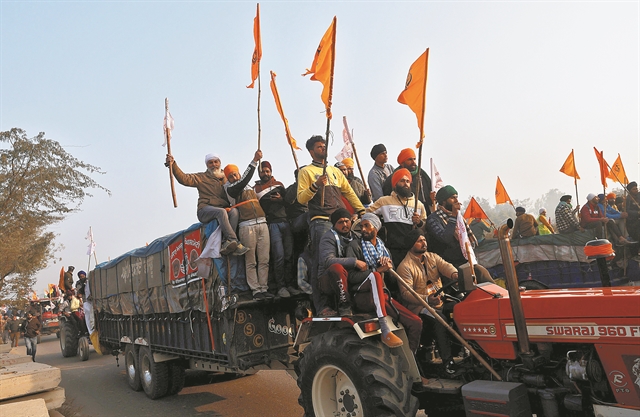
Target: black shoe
x=268 y=295
x=450 y=367
x=344 y=309
x=259 y=296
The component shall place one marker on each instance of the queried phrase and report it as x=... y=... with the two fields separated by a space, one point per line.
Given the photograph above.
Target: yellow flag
x=415 y=90
x=257 y=51
x=617 y=172
x=501 y=194
x=276 y=97
x=323 y=63
x=569 y=167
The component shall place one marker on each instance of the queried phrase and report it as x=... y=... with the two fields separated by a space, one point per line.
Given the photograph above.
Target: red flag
x=474 y=211
x=323 y=63
x=415 y=90
x=604 y=169
x=501 y=194
x=569 y=167
x=257 y=51
x=618 y=173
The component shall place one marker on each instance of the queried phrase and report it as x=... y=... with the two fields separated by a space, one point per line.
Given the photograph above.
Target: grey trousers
x=256 y=238
x=227 y=221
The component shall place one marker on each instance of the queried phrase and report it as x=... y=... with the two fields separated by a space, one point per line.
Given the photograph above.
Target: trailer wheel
x=176 y=378
x=68 y=340
x=153 y=376
x=83 y=348
x=342 y=375
x=132 y=367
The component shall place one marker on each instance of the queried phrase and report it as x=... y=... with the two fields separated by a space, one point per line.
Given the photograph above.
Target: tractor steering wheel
x=444 y=287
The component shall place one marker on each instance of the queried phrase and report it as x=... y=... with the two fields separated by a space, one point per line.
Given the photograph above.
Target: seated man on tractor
x=422 y=270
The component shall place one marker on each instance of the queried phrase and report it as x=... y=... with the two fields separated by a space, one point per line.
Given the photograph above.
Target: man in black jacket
x=32 y=328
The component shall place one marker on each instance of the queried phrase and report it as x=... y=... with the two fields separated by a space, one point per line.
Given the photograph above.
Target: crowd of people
x=340 y=238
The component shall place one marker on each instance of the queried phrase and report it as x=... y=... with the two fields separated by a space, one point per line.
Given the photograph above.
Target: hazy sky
x=513 y=87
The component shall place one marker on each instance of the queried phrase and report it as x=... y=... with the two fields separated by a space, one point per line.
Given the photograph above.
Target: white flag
x=436 y=179
x=347 y=150
x=463 y=238
x=168 y=126
x=92 y=245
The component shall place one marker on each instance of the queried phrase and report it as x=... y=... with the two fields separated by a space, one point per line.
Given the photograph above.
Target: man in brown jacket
x=422 y=271
x=212 y=200
x=525 y=224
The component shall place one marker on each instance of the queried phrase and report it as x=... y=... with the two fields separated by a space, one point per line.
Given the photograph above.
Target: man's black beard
x=265 y=179
x=368 y=237
x=403 y=192
x=448 y=206
x=351 y=177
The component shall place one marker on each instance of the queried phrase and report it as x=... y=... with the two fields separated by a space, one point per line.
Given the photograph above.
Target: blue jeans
x=31 y=343
x=282 y=253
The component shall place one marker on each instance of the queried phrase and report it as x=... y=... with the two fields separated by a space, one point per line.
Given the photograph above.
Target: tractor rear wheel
x=340 y=374
x=68 y=340
x=154 y=376
x=83 y=348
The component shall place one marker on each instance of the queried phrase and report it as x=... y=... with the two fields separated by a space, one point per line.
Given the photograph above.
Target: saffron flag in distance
x=604 y=169
x=257 y=51
x=276 y=97
x=322 y=66
x=415 y=90
x=501 y=194
x=474 y=211
x=569 y=167
x=617 y=172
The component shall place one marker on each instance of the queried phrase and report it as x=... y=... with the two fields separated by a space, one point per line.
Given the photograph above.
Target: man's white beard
x=217 y=172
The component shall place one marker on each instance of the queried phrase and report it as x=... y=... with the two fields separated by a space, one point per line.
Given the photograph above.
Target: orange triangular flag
x=323 y=62
x=569 y=167
x=61 y=282
x=501 y=194
x=618 y=173
x=474 y=211
x=276 y=96
x=604 y=169
x=257 y=51
x=415 y=90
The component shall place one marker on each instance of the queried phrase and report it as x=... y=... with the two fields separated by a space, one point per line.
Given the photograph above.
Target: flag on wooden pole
x=347 y=149
x=323 y=63
x=436 y=179
x=474 y=211
x=415 y=90
x=501 y=194
x=257 y=51
x=569 y=167
x=617 y=172
x=276 y=97
x=604 y=167
x=91 y=249
x=168 y=125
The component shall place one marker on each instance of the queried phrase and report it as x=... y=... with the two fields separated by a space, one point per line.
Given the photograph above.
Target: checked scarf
x=372 y=254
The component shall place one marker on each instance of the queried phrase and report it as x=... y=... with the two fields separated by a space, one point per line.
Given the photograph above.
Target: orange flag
x=415 y=90
x=323 y=63
x=276 y=96
x=474 y=211
x=501 y=194
x=569 y=167
x=617 y=172
x=604 y=168
x=257 y=51
x=61 y=281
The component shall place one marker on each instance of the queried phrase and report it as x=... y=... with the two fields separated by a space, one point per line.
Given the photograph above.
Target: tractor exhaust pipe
x=512 y=287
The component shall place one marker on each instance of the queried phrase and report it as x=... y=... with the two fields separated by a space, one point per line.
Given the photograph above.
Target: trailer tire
x=68 y=340
x=339 y=373
x=153 y=376
x=176 y=378
x=83 y=348
x=132 y=367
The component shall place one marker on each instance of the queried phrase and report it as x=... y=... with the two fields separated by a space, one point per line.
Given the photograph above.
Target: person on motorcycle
x=422 y=271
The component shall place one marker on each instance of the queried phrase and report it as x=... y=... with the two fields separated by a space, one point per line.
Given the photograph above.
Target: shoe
x=259 y=296
x=283 y=293
x=240 y=250
x=391 y=340
x=344 y=309
x=327 y=312
x=294 y=291
x=631 y=240
x=228 y=247
x=450 y=367
x=268 y=295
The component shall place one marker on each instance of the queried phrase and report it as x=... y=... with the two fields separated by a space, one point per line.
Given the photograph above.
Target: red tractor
x=550 y=352
x=47 y=310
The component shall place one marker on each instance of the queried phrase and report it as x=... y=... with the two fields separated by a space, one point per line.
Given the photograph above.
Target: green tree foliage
x=40 y=184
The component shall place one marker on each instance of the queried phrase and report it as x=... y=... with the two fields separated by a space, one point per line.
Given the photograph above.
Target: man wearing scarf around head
x=442 y=235
x=407 y=159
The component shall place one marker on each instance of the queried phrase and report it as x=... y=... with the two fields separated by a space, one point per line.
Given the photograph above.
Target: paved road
x=97 y=388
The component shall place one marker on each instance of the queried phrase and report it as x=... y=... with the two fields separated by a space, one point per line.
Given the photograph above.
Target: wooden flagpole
x=355 y=153
x=167 y=134
x=424 y=98
x=328 y=131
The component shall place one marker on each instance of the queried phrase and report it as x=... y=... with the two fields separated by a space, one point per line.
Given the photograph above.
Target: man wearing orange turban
x=407 y=159
x=356 y=183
